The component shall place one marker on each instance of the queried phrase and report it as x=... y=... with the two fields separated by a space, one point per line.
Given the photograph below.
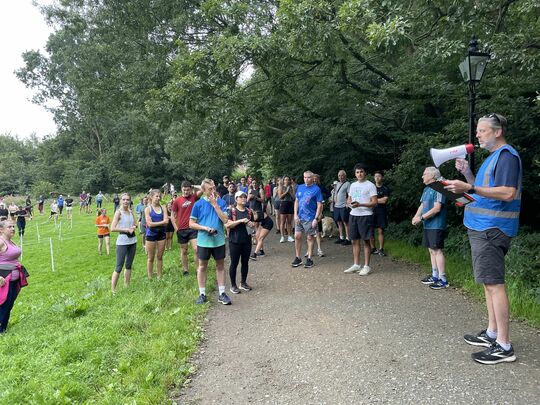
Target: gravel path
x=319 y=336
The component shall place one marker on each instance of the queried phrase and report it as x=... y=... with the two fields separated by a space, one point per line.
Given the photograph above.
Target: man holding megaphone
x=491 y=221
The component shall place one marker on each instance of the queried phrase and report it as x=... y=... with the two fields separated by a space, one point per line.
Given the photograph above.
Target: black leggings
x=125 y=253
x=239 y=251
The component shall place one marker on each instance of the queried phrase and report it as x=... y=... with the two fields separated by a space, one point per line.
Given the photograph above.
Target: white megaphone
x=440 y=156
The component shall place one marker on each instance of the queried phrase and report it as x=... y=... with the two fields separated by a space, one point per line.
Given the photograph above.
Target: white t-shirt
x=362 y=193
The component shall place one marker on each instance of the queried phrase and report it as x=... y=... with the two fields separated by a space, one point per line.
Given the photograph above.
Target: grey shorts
x=305 y=227
x=488 y=249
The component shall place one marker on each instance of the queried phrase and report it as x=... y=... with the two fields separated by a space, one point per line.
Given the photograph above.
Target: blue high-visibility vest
x=486 y=213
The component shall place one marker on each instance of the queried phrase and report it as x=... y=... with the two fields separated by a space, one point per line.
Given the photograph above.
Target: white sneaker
x=365 y=271
x=353 y=269
x=282 y=239
x=290 y=239
x=320 y=253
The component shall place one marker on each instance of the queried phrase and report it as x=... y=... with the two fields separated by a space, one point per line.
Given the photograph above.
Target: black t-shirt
x=69 y=202
x=382 y=191
x=116 y=201
x=20 y=214
x=4 y=212
x=254 y=204
x=222 y=190
x=239 y=234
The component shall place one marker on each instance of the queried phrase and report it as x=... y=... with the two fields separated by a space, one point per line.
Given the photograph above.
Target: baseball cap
x=238 y=194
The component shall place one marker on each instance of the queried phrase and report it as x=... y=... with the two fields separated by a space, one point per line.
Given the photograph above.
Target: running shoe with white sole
x=355 y=268
x=480 y=339
x=494 y=354
x=365 y=271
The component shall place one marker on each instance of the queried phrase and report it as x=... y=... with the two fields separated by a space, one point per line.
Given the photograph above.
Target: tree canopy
x=148 y=92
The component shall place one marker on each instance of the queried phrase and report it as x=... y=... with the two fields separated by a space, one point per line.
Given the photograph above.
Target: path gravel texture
x=320 y=336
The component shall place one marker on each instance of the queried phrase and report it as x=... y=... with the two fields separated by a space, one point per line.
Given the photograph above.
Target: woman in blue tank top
x=156 y=222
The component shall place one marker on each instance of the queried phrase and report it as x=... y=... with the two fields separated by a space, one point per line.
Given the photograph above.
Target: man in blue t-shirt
x=307 y=208
x=208 y=216
x=432 y=214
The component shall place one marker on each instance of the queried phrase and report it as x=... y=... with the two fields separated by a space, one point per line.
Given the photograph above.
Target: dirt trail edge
x=320 y=336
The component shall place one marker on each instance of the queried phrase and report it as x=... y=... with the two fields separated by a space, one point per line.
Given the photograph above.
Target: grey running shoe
x=224 y=299
x=234 y=289
x=245 y=287
x=201 y=299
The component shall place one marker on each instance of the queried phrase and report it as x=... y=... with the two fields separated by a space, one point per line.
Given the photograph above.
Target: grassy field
x=523 y=303
x=71 y=341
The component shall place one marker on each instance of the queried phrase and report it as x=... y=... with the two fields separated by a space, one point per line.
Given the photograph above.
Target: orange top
x=102 y=220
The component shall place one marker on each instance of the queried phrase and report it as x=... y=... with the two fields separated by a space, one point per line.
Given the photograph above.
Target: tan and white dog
x=329 y=228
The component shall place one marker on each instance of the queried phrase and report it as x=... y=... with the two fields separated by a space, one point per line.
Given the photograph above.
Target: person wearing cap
x=492 y=221
x=240 y=218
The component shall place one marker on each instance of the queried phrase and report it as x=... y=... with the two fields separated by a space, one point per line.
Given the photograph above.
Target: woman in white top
x=125 y=223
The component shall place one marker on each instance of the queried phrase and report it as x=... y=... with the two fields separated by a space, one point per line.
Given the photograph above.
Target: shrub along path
x=321 y=336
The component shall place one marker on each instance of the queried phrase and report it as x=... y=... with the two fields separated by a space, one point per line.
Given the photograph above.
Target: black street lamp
x=472 y=69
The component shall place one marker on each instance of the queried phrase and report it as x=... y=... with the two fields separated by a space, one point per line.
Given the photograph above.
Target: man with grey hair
x=492 y=221
x=341 y=211
x=307 y=208
x=432 y=214
x=208 y=216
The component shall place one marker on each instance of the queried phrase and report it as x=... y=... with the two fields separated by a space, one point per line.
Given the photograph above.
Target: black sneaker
x=340 y=241
x=245 y=287
x=494 y=354
x=234 y=289
x=309 y=263
x=201 y=300
x=346 y=242
x=224 y=299
x=480 y=339
x=429 y=280
x=260 y=253
x=253 y=256
x=374 y=251
x=382 y=252
x=296 y=262
x=185 y=273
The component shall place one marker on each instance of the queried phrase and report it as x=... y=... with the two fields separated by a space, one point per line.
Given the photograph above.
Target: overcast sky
x=21 y=28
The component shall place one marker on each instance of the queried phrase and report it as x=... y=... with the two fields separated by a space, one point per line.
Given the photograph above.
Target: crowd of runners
x=206 y=216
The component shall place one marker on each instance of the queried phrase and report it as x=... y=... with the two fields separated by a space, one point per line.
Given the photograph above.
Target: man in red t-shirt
x=181 y=211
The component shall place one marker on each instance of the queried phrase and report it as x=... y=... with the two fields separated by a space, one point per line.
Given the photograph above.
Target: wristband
x=472 y=190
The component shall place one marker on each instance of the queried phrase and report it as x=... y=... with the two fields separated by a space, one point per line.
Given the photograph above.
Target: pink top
x=10 y=256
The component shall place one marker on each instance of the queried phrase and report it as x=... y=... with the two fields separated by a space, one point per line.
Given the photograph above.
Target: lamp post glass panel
x=472 y=69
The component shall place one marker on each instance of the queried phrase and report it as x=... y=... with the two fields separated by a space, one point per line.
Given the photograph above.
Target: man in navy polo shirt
x=492 y=221
x=208 y=216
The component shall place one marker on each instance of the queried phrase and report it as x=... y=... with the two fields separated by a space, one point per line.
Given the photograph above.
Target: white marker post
x=21 y=245
x=52 y=255
x=37 y=232
x=60 y=230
